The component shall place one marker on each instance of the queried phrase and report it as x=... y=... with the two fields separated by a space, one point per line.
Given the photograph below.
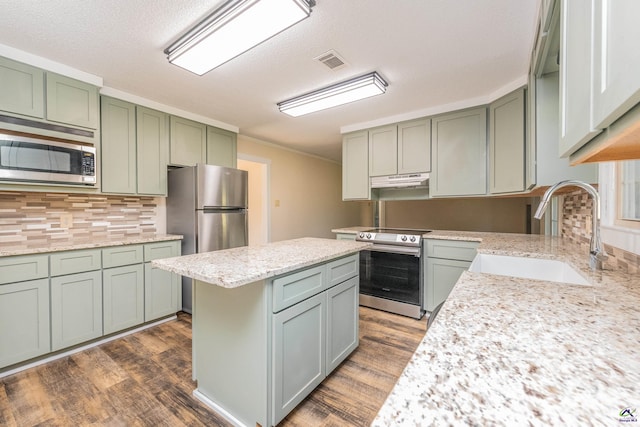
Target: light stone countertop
x=231 y=268
x=30 y=248
x=506 y=351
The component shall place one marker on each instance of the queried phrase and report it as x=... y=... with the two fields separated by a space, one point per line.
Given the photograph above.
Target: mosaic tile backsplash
x=576 y=226
x=36 y=217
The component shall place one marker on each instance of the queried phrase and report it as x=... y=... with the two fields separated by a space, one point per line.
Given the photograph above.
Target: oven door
x=391 y=272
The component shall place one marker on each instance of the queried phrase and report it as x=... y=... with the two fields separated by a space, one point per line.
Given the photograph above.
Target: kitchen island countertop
x=236 y=267
x=512 y=351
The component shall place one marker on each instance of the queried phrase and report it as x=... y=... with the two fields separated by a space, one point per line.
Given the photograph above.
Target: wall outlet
x=66 y=220
x=277 y=203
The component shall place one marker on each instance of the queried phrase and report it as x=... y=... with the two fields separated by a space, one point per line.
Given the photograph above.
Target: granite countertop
x=231 y=268
x=27 y=248
x=510 y=351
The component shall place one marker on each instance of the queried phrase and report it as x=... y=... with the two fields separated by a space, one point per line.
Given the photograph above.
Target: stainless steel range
x=391 y=271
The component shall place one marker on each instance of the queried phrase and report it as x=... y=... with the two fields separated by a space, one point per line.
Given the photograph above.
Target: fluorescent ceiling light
x=341 y=93
x=232 y=29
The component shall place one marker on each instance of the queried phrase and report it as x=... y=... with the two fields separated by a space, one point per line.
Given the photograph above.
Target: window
x=629 y=190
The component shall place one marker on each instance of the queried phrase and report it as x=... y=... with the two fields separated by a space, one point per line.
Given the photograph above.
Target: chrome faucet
x=597 y=252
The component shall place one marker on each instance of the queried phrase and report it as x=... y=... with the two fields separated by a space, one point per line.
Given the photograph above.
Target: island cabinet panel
x=123 y=289
x=76 y=309
x=21 y=88
x=342 y=322
x=299 y=340
x=296 y=287
x=24 y=321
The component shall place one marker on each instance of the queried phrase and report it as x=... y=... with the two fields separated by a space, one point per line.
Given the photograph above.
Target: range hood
x=400 y=181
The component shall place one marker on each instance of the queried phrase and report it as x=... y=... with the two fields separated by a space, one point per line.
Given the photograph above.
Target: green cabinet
x=507 y=137
x=118 y=147
x=400 y=149
x=221 y=147
x=355 y=166
x=188 y=142
x=24 y=321
x=21 y=88
x=162 y=289
x=76 y=309
x=123 y=293
x=459 y=150
x=134 y=149
x=71 y=102
x=342 y=322
x=299 y=352
x=444 y=262
x=346 y=236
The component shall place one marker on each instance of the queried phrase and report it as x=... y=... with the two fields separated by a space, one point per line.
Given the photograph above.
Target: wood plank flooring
x=144 y=379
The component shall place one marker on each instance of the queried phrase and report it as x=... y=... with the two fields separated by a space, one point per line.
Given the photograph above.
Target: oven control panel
x=389 y=238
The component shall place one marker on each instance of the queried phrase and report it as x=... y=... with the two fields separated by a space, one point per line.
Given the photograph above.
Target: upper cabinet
x=355 y=166
x=600 y=80
x=72 y=102
x=400 y=149
x=221 y=147
x=507 y=143
x=21 y=88
x=188 y=142
x=152 y=149
x=459 y=144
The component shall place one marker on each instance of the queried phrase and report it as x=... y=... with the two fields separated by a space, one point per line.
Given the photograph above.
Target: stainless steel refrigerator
x=208 y=205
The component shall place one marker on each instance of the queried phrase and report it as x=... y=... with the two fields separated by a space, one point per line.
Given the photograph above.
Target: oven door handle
x=403 y=250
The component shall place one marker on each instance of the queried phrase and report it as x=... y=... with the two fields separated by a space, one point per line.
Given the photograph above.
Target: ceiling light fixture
x=232 y=29
x=338 y=94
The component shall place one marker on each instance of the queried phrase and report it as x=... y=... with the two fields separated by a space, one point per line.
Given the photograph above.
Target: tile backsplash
x=576 y=226
x=36 y=217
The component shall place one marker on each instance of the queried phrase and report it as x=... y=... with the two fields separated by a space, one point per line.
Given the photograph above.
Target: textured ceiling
x=433 y=53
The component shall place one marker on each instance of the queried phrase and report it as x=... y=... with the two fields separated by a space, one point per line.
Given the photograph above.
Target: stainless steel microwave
x=39 y=160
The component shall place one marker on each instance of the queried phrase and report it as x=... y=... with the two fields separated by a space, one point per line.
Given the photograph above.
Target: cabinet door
x=118 y=147
x=576 y=31
x=441 y=276
x=342 y=322
x=383 y=151
x=355 y=167
x=152 y=139
x=188 y=142
x=161 y=289
x=414 y=146
x=507 y=143
x=72 y=102
x=76 y=309
x=123 y=303
x=459 y=144
x=298 y=353
x=221 y=147
x=21 y=88
x=616 y=60
x=24 y=321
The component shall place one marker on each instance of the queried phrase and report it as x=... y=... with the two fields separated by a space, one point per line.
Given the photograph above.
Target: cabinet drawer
x=21 y=268
x=296 y=287
x=63 y=263
x=122 y=255
x=343 y=269
x=161 y=250
x=451 y=249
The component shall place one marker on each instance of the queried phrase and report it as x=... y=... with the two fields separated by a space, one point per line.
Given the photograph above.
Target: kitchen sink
x=527 y=268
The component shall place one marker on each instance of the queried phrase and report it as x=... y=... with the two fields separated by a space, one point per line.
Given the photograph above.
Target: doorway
x=258 y=213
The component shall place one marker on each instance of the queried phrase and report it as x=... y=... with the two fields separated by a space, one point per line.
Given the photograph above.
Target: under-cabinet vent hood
x=400 y=181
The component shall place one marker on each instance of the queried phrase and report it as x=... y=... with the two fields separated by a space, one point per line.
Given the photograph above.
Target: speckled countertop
x=26 y=248
x=231 y=268
x=508 y=351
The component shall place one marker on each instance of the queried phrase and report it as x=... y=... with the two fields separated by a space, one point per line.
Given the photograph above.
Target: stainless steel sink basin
x=527 y=268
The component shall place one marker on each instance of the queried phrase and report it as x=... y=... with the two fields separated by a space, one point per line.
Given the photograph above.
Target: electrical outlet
x=277 y=203
x=66 y=220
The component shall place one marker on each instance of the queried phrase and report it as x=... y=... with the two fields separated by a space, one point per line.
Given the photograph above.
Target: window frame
x=619 y=233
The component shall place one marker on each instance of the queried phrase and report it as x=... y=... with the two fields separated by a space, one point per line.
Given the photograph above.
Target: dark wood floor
x=144 y=379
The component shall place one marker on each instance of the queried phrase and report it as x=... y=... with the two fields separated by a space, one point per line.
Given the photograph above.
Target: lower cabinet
x=123 y=291
x=161 y=293
x=24 y=321
x=76 y=309
x=342 y=322
x=444 y=263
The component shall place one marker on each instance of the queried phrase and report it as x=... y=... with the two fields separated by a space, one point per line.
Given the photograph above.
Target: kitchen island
x=513 y=351
x=270 y=323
